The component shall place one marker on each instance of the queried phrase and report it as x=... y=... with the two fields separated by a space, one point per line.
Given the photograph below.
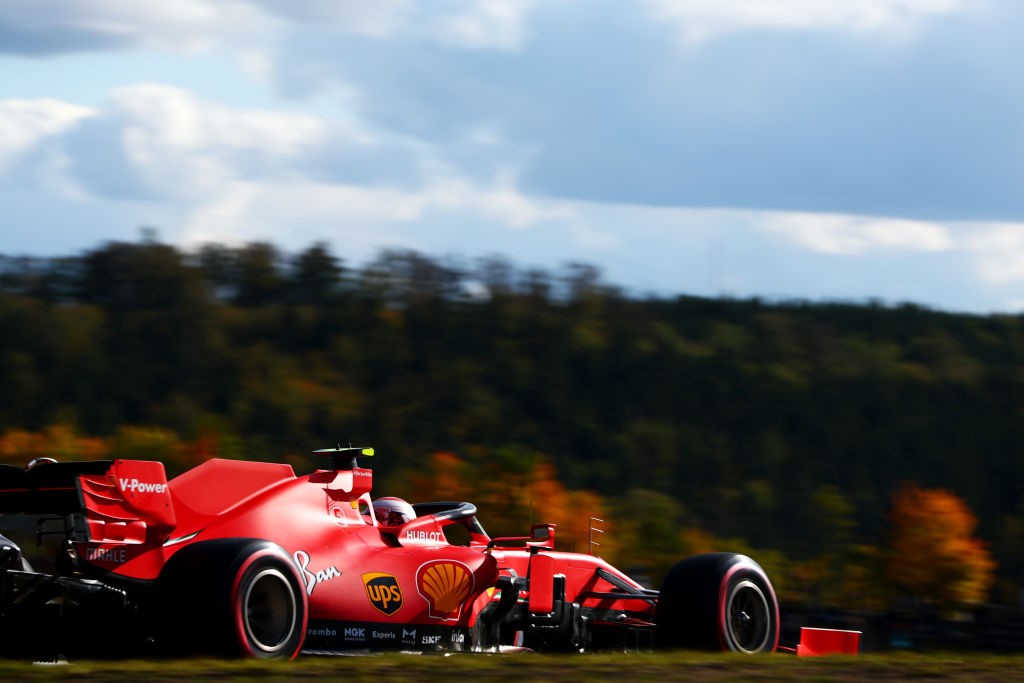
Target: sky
x=820 y=150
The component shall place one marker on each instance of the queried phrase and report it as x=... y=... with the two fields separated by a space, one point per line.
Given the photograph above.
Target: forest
x=834 y=441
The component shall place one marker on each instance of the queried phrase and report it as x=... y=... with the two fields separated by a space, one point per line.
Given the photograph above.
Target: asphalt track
x=536 y=667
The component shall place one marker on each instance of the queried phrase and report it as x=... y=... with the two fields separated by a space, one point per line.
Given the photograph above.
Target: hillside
x=785 y=426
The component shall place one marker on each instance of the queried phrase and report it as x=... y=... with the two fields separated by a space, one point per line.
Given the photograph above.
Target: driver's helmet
x=392 y=511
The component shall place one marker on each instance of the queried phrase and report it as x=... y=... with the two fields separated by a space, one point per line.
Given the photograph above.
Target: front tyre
x=718 y=601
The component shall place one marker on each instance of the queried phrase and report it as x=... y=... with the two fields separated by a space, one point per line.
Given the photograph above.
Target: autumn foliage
x=696 y=423
x=933 y=555
x=513 y=491
x=930 y=554
x=18 y=447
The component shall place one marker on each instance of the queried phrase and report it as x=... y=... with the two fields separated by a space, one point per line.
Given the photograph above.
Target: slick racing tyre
x=235 y=597
x=718 y=601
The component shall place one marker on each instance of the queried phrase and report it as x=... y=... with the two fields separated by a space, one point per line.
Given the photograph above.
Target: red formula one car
x=247 y=558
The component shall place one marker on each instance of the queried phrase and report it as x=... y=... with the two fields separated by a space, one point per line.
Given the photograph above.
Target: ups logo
x=383 y=592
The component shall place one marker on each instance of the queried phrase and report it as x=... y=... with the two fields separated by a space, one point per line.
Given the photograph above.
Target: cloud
x=234 y=172
x=998 y=251
x=298 y=213
x=993 y=251
x=500 y=201
x=818 y=123
x=545 y=130
x=304 y=210
x=702 y=20
x=592 y=239
x=492 y=24
x=47 y=27
x=470 y=24
x=24 y=124
x=152 y=140
x=379 y=18
x=846 y=234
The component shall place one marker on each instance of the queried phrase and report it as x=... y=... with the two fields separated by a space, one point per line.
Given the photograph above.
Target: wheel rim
x=270 y=611
x=748 y=618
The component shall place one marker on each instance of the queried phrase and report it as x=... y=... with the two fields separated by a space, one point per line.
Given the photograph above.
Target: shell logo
x=445 y=585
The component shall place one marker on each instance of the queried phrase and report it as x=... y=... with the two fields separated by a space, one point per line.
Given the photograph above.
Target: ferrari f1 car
x=246 y=558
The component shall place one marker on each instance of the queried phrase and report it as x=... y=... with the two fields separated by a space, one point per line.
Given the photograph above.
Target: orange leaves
x=445 y=478
x=932 y=553
x=511 y=499
x=18 y=447
x=570 y=511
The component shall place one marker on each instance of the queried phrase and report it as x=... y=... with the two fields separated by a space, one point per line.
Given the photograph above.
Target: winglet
x=344 y=457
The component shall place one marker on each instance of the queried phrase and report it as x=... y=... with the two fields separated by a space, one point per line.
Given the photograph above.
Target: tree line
x=786 y=427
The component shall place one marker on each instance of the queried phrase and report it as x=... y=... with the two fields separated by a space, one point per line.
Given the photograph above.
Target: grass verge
x=603 y=668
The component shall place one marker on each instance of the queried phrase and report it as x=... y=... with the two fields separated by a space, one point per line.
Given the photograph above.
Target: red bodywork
x=363 y=585
x=360 y=579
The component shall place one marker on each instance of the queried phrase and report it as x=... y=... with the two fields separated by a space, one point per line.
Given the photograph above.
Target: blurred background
x=727 y=276
x=868 y=456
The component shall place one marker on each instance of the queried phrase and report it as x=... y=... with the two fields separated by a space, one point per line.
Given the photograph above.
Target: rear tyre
x=234 y=597
x=718 y=601
x=267 y=608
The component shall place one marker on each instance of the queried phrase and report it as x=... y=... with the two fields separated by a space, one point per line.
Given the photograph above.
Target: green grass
x=533 y=667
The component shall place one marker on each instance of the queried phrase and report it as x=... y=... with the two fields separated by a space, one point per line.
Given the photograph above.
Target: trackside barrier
x=815 y=642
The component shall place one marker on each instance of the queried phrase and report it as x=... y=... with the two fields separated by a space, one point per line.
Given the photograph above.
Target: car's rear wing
x=49 y=488
x=126 y=501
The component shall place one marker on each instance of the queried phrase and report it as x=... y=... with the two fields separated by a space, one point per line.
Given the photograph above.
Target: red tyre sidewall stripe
x=236 y=598
x=723 y=598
